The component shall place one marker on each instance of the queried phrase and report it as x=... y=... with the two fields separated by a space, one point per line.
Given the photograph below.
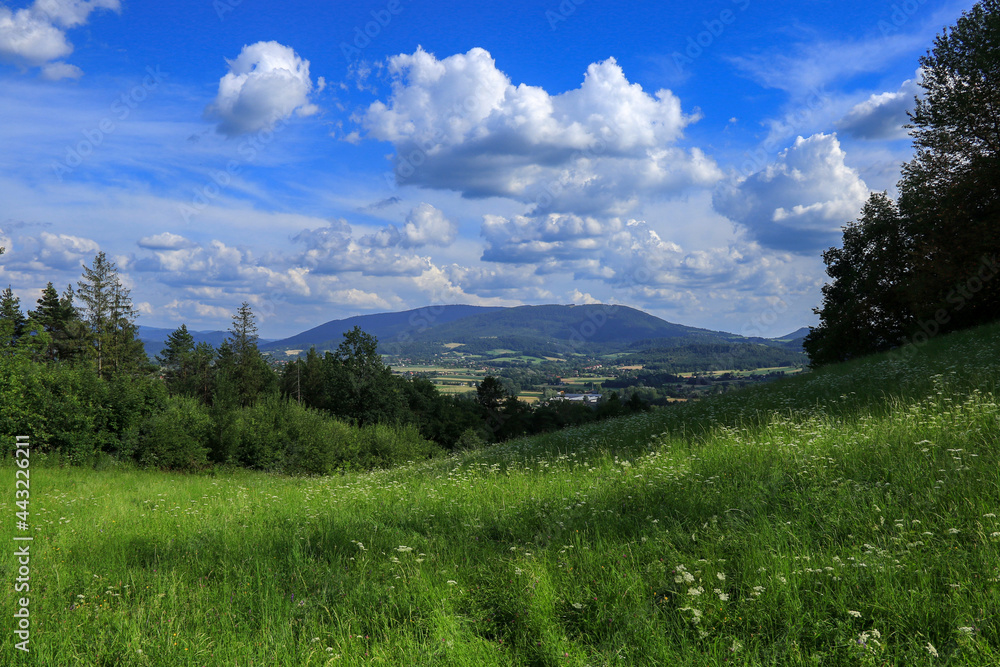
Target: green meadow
x=846 y=516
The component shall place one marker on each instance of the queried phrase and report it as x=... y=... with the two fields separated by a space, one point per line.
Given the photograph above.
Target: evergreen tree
x=110 y=319
x=12 y=320
x=243 y=375
x=177 y=361
x=57 y=317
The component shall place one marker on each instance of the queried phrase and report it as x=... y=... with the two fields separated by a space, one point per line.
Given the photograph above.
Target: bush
x=175 y=438
x=276 y=434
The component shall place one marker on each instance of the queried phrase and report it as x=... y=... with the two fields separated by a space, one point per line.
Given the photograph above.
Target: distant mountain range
x=540 y=330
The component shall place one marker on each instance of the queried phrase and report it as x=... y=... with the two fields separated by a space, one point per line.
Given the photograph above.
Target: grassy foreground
x=848 y=516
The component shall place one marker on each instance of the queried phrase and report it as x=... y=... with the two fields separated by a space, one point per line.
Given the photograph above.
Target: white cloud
x=425 y=225
x=801 y=201
x=35 y=36
x=165 y=241
x=882 y=116
x=578 y=297
x=63 y=251
x=460 y=124
x=332 y=250
x=59 y=70
x=266 y=83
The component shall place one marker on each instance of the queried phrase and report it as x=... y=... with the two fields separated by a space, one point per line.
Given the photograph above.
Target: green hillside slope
x=848 y=516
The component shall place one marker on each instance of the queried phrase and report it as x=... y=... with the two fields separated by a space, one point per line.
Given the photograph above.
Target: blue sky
x=322 y=160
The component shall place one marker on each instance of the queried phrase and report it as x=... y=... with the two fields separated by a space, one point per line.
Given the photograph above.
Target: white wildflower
x=855 y=614
x=930 y=649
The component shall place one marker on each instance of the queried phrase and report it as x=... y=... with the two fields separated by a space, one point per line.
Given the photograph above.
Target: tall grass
x=848 y=516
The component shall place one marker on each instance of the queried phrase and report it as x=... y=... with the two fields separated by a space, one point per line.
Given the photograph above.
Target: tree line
x=927 y=262
x=75 y=377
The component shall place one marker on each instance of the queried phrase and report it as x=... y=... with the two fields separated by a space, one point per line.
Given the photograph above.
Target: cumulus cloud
x=266 y=83
x=459 y=123
x=35 y=36
x=800 y=202
x=58 y=251
x=425 y=225
x=625 y=255
x=333 y=249
x=165 y=241
x=881 y=116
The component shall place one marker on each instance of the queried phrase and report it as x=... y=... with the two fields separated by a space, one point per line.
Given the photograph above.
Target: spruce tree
x=110 y=319
x=12 y=320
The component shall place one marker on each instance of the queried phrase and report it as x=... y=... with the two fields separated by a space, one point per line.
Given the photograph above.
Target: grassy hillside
x=844 y=517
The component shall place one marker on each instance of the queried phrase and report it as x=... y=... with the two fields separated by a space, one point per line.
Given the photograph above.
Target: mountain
x=798 y=333
x=387 y=327
x=535 y=330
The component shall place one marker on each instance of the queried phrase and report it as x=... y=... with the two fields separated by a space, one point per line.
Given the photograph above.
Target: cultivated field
x=841 y=517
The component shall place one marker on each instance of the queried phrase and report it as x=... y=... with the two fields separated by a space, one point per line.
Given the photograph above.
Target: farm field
x=847 y=516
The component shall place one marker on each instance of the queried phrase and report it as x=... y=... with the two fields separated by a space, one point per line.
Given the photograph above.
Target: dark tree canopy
x=931 y=264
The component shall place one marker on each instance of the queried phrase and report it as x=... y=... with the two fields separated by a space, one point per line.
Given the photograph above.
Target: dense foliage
x=77 y=381
x=928 y=264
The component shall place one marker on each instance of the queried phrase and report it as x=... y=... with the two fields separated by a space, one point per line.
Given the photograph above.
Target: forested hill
x=387 y=327
x=576 y=326
x=545 y=330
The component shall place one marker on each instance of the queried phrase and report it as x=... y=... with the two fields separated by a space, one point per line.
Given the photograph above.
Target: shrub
x=175 y=437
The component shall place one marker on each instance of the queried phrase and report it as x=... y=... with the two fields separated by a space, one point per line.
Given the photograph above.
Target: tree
x=59 y=318
x=302 y=380
x=359 y=384
x=243 y=374
x=950 y=191
x=490 y=394
x=863 y=308
x=12 y=320
x=110 y=319
x=177 y=360
x=928 y=265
